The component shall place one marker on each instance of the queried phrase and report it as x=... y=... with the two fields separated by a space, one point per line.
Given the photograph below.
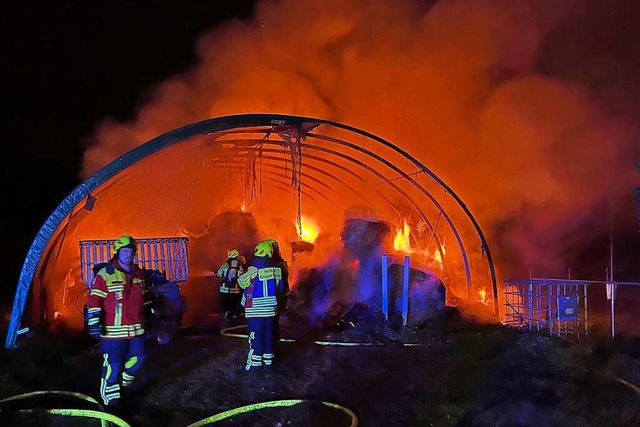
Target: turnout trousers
x=230 y=304
x=261 y=342
x=122 y=360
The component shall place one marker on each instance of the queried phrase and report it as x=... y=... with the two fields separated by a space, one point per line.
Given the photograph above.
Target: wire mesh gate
x=559 y=307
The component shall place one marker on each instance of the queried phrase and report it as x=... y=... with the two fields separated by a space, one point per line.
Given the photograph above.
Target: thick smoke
x=456 y=83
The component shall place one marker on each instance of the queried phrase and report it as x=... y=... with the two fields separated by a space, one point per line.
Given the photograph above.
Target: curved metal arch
x=256 y=146
x=373 y=171
x=327 y=174
x=484 y=245
x=363 y=165
x=409 y=199
x=350 y=172
x=158 y=143
x=344 y=184
x=277 y=178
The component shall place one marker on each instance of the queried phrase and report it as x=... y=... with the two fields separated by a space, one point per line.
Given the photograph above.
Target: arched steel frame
x=228 y=124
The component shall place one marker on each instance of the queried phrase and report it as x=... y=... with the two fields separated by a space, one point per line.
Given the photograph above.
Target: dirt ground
x=461 y=374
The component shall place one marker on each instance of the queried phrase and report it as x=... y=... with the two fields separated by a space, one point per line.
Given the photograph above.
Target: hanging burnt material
x=300 y=247
x=249 y=180
x=252 y=172
x=292 y=137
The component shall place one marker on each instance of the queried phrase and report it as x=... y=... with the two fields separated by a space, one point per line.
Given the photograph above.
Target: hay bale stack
x=364 y=237
x=427 y=294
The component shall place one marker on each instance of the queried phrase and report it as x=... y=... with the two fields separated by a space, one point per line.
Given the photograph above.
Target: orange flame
x=483 y=295
x=438 y=257
x=401 y=241
x=308 y=230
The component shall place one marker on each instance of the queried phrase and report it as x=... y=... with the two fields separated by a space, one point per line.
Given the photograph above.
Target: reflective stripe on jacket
x=117 y=297
x=260 y=284
x=229 y=287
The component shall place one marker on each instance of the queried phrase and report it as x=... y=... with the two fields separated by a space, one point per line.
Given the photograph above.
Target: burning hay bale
x=364 y=238
x=319 y=288
x=344 y=279
x=226 y=230
x=346 y=282
x=427 y=295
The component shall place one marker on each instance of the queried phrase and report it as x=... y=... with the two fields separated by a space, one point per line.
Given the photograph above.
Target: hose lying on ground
x=88 y=413
x=225 y=333
x=633 y=387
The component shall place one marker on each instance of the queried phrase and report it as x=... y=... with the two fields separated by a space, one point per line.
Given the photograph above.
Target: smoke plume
x=457 y=83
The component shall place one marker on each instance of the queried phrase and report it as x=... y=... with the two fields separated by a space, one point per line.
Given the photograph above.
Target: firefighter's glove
x=93 y=327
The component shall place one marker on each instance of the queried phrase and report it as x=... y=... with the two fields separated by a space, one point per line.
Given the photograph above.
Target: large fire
x=402 y=243
x=308 y=230
x=402 y=239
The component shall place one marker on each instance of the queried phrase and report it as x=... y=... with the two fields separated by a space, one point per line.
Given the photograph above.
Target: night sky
x=66 y=65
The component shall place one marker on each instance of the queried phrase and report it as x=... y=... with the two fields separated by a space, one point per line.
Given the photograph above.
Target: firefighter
x=115 y=314
x=283 y=289
x=260 y=305
x=230 y=292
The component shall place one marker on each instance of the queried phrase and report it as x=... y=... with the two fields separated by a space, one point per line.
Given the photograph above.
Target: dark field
x=462 y=374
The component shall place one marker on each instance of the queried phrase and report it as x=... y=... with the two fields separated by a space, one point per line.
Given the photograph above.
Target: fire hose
x=104 y=417
x=272 y=404
x=225 y=333
x=633 y=387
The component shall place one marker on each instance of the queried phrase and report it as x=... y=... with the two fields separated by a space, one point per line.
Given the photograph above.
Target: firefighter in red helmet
x=115 y=314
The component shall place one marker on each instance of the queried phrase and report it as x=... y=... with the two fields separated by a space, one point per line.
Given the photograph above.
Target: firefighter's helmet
x=124 y=241
x=263 y=249
x=233 y=253
x=274 y=243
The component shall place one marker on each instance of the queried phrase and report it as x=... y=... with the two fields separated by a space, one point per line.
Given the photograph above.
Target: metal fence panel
x=168 y=254
x=559 y=307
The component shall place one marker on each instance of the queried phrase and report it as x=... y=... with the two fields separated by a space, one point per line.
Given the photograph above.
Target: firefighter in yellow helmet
x=115 y=314
x=230 y=292
x=260 y=284
x=283 y=289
